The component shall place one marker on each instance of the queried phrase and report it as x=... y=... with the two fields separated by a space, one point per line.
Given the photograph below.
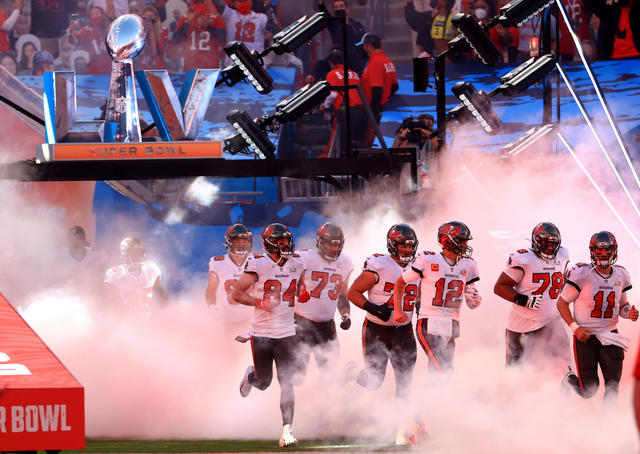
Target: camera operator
x=415 y=132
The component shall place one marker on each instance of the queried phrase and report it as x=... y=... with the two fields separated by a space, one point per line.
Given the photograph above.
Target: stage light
x=479 y=105
x=538 y=136
x=302 y=101
x=253 y=137
x=518 y=12
x=245 y=64
x=527 y=74
x=298 y=33
x=477 y=37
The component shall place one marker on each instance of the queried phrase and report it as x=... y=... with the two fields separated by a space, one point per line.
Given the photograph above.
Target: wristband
x=625 y=311
x=574 y=326
x=521 y=300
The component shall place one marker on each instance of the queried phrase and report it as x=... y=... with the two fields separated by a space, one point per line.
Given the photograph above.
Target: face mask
x=244 y=7
x=480 y=13
x=340 y=13
x=95 y=20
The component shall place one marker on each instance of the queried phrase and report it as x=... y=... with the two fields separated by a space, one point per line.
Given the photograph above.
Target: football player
x=445 y=278
x=384 y=339
x=245 y=25
x=224 y=272
x=277 y=277
x=82 y=266
x=326 y=277
x=598 y=293
x=136 y=283
x=532 y=281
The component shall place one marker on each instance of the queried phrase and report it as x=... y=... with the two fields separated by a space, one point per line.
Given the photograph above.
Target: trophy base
x=128 y=151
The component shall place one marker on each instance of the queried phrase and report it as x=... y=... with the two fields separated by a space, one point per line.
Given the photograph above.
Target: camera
x=415 y=127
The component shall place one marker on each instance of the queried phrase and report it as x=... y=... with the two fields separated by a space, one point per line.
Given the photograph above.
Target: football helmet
x=402 y=234
x=132 y=251
x=329 y=234
x=272 y=234
x=545 y=240
x=453 y=237
x=604 y=249
x=238 y=231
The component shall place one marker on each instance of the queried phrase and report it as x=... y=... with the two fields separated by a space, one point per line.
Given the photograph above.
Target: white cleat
x=245 y=386
x=287 y=440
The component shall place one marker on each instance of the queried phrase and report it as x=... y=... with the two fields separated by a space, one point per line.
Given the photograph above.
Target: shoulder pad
x=581 y=264
x=295 y=255
x=378 y=255
x=620 y=266
x=304 y=250
x=428 y=253
x=258 y=255
x=522 y=251
x=218 y=258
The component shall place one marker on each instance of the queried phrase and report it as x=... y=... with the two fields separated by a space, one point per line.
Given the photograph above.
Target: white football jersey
x=535 y=276
x=91 y=268
x=324 y=281
x=278 y=284
x=441 y=285
x=248 y=28
x=135 y=290
x=598 y=303
x=388 y=271
x=228 y=274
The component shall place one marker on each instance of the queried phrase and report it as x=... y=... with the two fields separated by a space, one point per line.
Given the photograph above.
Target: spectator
x=321 y=68
x=8 y=62
x=152 y=55
x=482 y=10
x=506 y=39
x=63 y=62
x=42 y=63
x=420 y=22
x=160 y=6
x=79 y=61
x=26 y=46
x=442 y=30
x=92 y=37
x=177 y=15
x=529 y=39
x=81 y=265
x=355 y=31
x=112 y=8
x=580 y=18
x=136 y=7
x=379 y=80
x=619 y=31
x=245 y=25
x=50 y=20
x=201 y=33
x=416 y=132
x=8 y=21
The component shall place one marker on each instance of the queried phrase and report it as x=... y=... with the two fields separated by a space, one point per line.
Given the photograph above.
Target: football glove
x=530 y=302
x=266 y=305
x=346 y=322
x=472 y=297
x=382 y=312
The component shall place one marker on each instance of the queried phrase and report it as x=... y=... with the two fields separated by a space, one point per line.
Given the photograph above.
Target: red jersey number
x=409 y=299
x=245 y=32
x=228 y=287
x=453 y=296
x=273 y=288
x=324 y=278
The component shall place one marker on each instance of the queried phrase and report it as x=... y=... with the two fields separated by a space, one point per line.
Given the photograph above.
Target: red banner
x=41 y=403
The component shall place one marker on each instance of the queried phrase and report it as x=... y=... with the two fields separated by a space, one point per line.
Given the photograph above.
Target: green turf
x=134 y=446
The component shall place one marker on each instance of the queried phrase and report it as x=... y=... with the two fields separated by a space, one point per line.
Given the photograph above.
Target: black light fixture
x=251 y=136
x=249 y=65
x=478 y=38
x=518 y=12
x=298 y=33
x=479 y=105
x=538 y=136
x=527 y=74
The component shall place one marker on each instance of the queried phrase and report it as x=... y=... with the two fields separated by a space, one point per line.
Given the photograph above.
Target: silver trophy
x=125 y=39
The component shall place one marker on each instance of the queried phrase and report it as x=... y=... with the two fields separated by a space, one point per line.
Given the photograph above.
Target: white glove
x=472 y=297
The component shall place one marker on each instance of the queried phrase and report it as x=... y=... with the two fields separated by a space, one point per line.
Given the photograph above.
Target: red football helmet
x=275 y=233
x=329 y=234
x=545 y=240
x=453 y=237
x=402 y=234
x=238 y=231
x=604 y=249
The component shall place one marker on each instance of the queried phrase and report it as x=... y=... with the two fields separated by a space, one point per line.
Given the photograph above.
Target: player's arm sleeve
x=416 y=271
x=627 y=284
x=569 y=293
x=474 y=274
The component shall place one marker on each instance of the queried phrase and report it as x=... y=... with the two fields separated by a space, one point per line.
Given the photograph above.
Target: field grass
x=193 y=446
